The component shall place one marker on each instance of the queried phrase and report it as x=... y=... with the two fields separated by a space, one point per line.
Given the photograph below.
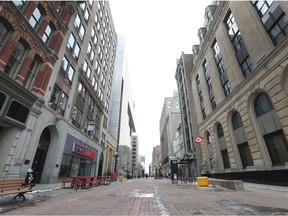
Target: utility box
x=202 y=181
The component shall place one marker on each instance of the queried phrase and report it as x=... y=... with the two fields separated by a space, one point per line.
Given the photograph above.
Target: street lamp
x=187 y=158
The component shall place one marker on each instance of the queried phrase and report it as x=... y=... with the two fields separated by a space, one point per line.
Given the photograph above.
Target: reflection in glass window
x=31 y=75
x=47 y=33
x=66 y=70
x=15 y=60
x=35 y=18
x=236 y=121
x=18 y=112
x=262 y=105
x=4 y=33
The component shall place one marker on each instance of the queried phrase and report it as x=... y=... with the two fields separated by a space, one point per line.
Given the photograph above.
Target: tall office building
x=184 y=66
x=57 y=60
x=156 y=160
x=121 y=122
x=169 y=122
x=239 y=90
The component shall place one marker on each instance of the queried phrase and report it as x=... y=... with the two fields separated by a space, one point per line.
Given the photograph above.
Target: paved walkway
x=154 y=197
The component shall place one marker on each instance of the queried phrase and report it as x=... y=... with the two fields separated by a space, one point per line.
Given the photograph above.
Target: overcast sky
x=156 y=33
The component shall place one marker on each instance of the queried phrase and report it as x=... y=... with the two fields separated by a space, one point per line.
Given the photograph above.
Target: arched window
x=236 y=121
x=4 y=33
x=262 y=104
x=220 y=131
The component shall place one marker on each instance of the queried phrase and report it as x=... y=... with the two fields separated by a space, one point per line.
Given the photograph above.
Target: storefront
x=78 y=159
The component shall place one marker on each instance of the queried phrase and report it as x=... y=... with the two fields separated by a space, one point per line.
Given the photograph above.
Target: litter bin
x=120 y=178
x=202 y=181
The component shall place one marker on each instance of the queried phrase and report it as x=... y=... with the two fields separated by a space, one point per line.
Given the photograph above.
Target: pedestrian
x=146 y=175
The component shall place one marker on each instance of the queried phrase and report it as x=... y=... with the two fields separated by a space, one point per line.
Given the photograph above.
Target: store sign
x=78 y=149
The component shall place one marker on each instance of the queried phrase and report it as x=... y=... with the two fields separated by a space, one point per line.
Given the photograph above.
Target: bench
x=13 y=186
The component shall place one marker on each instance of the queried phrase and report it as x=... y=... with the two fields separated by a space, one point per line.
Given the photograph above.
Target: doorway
x=40 y=155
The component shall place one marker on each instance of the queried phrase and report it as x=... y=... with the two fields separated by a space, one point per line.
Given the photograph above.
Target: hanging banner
x=78 y=149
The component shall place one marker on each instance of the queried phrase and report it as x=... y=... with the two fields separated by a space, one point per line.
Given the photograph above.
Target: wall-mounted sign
x=78 y=149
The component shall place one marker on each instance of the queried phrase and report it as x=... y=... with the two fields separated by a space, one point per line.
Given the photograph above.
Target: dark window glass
x=18 y=112
x=236 y=121
x=262 y=105
x=245 y=155
x=220 y=131
x=225 y=158
x=4 y=32
x=2 y=100
x=277 y=147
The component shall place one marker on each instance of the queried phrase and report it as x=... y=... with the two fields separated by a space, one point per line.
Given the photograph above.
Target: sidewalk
x=152 y=197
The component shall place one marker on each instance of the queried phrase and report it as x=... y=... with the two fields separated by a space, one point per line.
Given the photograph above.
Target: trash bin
x=120 y=178
x=202 y=181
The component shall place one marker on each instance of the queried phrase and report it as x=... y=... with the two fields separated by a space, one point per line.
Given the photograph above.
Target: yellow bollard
x=202 y=181
x=120 y=178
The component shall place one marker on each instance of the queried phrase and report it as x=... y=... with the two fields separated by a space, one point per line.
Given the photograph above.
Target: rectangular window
x=200 y=97
x=221 y=69
x=245 y=155
x=35 y=18
x=277 y=147
x=273 y=18
x=225 y=158
x=15 y=60
x=31 y=75
x=73 y=46
x=209 y=84
x=58 y=100
x=47 y=34
x=18 y=112
x=66 y=70
x=77 y=117
x=238 y=44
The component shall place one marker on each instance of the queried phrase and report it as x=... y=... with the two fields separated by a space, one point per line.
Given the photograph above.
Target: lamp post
x=116 y=161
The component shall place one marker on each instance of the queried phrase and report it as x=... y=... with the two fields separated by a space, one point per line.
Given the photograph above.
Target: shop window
x=262 y=104
x=245 y=155
x=277 y=147
x=18 y=112
x=15 y=60
x=236 y=121
x=4 y=33
x=65 y=166
x=31 y=75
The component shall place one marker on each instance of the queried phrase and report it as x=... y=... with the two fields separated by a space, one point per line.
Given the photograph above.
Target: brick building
x=56 y=62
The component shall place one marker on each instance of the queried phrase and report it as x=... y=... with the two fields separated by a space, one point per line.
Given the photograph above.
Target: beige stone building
x=239 y=81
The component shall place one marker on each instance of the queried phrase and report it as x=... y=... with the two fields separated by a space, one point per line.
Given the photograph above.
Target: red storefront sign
x=77 y=148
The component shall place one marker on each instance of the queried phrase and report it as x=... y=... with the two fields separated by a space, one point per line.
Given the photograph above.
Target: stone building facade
x=239 y=90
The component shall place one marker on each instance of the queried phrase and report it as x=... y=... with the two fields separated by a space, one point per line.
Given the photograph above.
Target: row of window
x=271 y=15
x=276 y=142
